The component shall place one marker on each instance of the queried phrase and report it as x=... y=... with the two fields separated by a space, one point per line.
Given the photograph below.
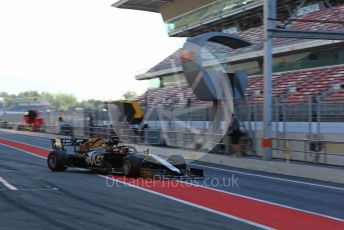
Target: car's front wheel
x=131 y=166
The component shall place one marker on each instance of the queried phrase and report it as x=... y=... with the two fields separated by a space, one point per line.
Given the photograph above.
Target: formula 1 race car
x=108 y=156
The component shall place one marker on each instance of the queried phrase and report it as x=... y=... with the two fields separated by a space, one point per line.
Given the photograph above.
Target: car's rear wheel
x=177 y=161
x=56 y=161
x=131 y=165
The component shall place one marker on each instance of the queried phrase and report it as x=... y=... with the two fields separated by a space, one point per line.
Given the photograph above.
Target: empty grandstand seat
x=336 y=96
x=294 y=86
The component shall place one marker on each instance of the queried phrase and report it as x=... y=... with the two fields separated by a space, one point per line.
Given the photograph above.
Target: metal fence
x=295 y=129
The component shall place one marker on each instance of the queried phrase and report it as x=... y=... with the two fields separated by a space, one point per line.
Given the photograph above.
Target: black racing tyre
x=56 y=161
x=131 y=165
x=177 y=161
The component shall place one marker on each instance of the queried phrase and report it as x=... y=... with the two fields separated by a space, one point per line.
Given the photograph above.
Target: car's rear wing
x=60 y=143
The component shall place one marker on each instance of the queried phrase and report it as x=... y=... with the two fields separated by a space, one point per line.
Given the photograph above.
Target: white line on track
x=38 y=189
x=189 y=203
x=270 y=177
x=25 y=144
x=30 y=136
x=169 y=197
x=264 y=201
x=217 y=212
x=7 y=184
x=9 y=146
x=219 y=169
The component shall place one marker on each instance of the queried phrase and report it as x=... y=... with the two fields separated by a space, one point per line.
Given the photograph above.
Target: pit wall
x=328 y=174
x=293 y=144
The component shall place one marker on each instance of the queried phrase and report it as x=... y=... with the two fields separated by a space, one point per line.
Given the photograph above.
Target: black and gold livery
x=108 y=156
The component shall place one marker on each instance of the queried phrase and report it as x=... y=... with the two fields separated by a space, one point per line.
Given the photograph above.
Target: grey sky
x=84 y=47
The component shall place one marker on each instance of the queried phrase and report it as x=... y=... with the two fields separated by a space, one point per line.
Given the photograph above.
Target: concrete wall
x=296 y=149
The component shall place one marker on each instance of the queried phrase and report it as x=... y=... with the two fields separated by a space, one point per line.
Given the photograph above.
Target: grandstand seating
x=255 y=36
x=321 y=83
x=169 y=96
x=288 y=87
x=299 y=86
x=325 y=14
x=337 y=96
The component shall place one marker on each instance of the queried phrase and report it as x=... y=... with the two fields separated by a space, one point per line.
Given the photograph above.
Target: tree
x=4 y=94
x=92 y=104
x=60 y=101
x=29 y=94
x=63 y=101
x=129 y=95
x=47 y=96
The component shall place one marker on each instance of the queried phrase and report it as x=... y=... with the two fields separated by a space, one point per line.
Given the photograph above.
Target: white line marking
x=169 y=197
x=189 y=203
x=34 y=189
x=264 y=201
x=214 y=211
x=8 y=185
x=30 y=135
x=270 y=177
x=38 y=189
x=27 y=143
x=24 y=151
x=227 y=170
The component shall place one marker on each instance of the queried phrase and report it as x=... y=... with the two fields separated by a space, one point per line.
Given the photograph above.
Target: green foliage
x=58 y=102
x=4 y=94
x=63 y=101
x=29 y=94
x=92 y=104
x=47 y=96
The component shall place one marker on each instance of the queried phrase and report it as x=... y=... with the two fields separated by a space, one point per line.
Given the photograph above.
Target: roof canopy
x=144 y=5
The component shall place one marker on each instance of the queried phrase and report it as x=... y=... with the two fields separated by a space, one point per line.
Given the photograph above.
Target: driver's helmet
x=125 y=150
